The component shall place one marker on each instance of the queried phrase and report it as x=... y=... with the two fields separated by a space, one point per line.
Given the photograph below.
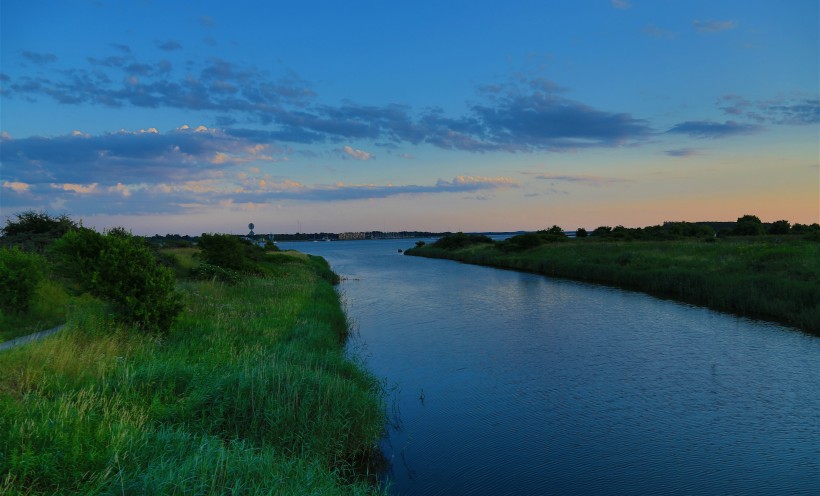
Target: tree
x=581 y=233
x=779 y=227
x=555 y=230
x=35 y=231
x=748 y=225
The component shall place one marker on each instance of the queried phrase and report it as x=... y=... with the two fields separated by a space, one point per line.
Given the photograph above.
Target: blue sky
x=189 y=117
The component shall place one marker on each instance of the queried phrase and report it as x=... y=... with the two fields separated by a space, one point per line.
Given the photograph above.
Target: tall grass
x=47 y=310
x=249 y=393
x=776 y=280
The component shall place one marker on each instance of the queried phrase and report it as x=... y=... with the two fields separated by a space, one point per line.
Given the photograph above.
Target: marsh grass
x=777 y=280
x=249 y=393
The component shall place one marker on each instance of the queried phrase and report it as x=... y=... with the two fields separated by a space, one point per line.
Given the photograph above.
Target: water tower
x=251 y=234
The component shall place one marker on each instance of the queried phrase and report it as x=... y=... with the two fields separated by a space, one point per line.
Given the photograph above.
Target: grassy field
x=767 y=278
x=249 y=393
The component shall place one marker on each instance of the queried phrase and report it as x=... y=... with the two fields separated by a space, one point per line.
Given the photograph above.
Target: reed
x=249 y=393
x=766 y=278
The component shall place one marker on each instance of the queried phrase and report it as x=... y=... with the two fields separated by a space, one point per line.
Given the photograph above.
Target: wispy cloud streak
x=522 y=116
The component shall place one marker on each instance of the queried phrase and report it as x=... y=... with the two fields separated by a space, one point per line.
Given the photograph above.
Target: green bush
x=122 y=270
x=531 y=240
x=461 y=240
x=230 y=252
x=20 y=273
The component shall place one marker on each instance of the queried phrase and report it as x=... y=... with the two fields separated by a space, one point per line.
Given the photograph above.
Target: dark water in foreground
x=510 y=383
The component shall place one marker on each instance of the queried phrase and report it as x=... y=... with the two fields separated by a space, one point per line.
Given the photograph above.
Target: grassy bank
x=47 y=310
x=772 y=279
x=249 y=393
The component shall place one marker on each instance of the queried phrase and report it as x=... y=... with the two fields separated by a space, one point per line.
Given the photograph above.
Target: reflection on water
x=510 y=383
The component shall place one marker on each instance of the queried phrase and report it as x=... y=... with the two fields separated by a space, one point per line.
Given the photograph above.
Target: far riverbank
x=776 y=280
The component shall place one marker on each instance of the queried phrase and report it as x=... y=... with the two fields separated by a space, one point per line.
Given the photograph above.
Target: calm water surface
x=511 y=383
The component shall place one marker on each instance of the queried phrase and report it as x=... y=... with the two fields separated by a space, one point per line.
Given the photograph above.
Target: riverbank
x=250 y=392
x=770 y=279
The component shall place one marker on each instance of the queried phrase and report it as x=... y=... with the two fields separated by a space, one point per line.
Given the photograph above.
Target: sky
x=203 y=116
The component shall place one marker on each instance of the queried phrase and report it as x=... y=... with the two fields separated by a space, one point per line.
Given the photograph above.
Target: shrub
x=461 y=240
x=122 y=270
x=531 y=240
x=20 y=273
x=230 y=252
x=688 y=230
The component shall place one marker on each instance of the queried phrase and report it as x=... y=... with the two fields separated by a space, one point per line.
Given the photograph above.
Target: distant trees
x=780 y=227
x=581 y=233
x=35 y=231
x=748 y=225
x=461 y=240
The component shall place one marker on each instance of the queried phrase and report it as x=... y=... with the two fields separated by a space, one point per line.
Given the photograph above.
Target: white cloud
x=357 y=154
x=713 y=26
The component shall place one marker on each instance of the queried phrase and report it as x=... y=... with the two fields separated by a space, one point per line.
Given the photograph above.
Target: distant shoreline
x=774 y=281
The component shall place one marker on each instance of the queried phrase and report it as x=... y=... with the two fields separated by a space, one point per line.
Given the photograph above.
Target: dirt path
x=31 y=337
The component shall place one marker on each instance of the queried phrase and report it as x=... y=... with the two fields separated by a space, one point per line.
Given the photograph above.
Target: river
x=505 y=383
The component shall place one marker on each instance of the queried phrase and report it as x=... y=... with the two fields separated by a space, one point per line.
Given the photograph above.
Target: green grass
x=249 y=393
x=48 y=309
x=777 y=280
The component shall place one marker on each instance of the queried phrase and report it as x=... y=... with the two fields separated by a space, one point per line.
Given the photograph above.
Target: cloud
x=526 y=115
x=656 y=32
x=535 y=117
x=280 y=190
x=39 y=58
x=144 y=156
x=683 y=152
x=581 y=179
x=785 y=111
x=207 y=21
x=357 y=154
x=169 y=45
x=621 y=4
x=16 y=186
x=712 y=26
x=82 y=189
x=713 y=130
